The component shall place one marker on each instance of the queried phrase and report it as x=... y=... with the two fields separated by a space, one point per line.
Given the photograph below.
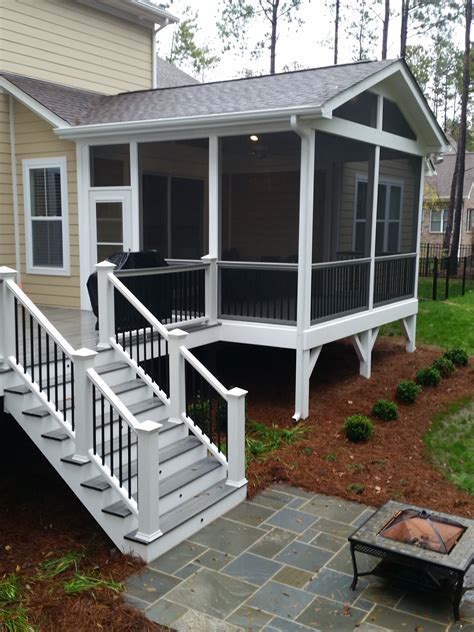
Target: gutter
x=190 y=122
x=16 y=221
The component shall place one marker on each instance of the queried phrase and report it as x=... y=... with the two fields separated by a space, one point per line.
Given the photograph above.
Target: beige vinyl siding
x=36 y=139
x=74 y=44
x=7 y=231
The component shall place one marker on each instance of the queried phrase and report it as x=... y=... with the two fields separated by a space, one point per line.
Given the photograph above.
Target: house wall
x=7 y=231
x=73 y=44
x=35 y=139
x=427 y=237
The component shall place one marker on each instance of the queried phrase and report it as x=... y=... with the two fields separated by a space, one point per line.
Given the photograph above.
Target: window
x=361 y=109
x=389 y=205
x=46 y=215
x=110 y=165
x=438 y=221
x=394 y=122
x=470 y=220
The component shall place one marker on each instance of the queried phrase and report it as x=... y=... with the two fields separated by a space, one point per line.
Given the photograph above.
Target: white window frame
x=43 y=163
x=469 y=220
x=443 y=212
x=387 y=182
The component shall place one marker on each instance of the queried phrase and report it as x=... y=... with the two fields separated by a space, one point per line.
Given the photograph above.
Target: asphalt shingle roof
x=441 y=182
x=292 y=89
x=169 y=76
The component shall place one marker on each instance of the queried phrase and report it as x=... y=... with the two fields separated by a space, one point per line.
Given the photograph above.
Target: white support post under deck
x=7 y=317
x=305 y=257
x=106 y=303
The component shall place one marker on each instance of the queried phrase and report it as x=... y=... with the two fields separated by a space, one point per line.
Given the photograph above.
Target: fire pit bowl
x=439 y=547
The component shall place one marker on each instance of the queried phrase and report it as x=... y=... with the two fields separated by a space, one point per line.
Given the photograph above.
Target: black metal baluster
x=102 y=427
x=64 y=384
x=32 y=350
x=73 y=405
x=23 y=333
x=111 y=436
x=129 y=448
x=17 y=343
x=48 y=369
x=120 y=429
x=56 y=380
x=94 y=420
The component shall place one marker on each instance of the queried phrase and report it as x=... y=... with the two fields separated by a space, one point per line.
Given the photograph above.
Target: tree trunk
x=336 y=32
x=273 y=40
x=404 y=27
x=461 y=153
x=386 y=21
x=452 y=200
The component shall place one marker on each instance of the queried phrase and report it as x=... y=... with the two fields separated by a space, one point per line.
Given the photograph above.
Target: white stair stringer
x=193 y=487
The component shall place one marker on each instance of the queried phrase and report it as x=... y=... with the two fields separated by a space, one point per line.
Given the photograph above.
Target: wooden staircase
x=148 y=474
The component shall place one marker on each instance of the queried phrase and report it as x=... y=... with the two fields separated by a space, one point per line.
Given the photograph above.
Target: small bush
x=385 y=410
x=407 y=391
x=445 y=366
x=356 y=488
x=358 y=428
x=457 y=356
x=428 y=376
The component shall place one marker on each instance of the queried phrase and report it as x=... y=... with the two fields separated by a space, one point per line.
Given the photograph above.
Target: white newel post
x=177 y=393
x=7 y=316
x=236 y=437
x=211 y=287
x=148 y=481
x=106 y=300
x=83 y=359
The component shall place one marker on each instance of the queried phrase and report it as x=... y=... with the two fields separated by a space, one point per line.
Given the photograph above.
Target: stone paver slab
x=292 y=520
x=304 y=556
x=272 y=499
x=149 y=585
x=285 y=625
x=335 y=586
x=249 y=513
x=250 y=619
x=214 y=560
x=211 y=593
x=251 y=568
x=397 y=621
x=338 y=529
x=428 y=605
x=194 y=621
x=333 y=508
x=272 y=542
x=327 y=616
x=165 y=612
x=293 y=577
x=382 y=592
x=227 y=536
x=187 y=570
x=342 y=561
x=329 y=542
x=308 y=535
x=177 y=557
x=282 y=601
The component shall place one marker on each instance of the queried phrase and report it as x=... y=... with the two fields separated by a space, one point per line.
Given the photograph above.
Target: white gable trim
x=33 y=104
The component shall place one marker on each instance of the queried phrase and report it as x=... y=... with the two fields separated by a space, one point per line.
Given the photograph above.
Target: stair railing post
x=148 y=481
x=236 y=437
x=106 y=303
x=83 y=359
x=7 y=316
x=177 y=374
x=211 y=289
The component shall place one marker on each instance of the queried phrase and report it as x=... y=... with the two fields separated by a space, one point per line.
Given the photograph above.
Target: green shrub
x=444 y=365
x=385 y=410
x=407 y=391
x=358 y=428
x=457 y=356
x=356 y=488
x=428 y=376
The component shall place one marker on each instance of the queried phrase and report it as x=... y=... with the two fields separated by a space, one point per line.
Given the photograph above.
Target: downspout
x=16 y=221
x=305 y=243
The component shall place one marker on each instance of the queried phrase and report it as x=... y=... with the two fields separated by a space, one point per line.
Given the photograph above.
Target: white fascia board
x=189 y=122
x=136 y=11
x=33 y=104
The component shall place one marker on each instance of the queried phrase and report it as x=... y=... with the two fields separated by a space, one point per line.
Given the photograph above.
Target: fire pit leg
x=458 y=590
x=354 y=566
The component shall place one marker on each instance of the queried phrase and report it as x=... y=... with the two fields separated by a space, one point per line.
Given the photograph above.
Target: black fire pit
x=438 y=547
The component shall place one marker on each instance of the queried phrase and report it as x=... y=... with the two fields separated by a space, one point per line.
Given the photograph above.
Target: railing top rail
x=402 y=255
x=112 y=398
x=258 y=265
x=139 y=272
x=40 y=318
x=340 y=262
x=154 y=322
x=207 y=375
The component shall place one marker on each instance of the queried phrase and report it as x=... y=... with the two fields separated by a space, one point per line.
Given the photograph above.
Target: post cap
x=7 y=272
x=209 y=258
x=177 y=333
x=83 y=353
x=237 y=392
x=105 y=265
x=149 y=427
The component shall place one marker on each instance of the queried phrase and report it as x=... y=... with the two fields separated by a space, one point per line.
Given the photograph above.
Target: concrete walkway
x=281 y=563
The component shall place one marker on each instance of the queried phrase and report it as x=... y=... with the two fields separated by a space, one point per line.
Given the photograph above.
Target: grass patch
x=442 y=323
x=83 y=583
x=261 y=440
x=450 y=443
x=51 y=568
x=12 y=614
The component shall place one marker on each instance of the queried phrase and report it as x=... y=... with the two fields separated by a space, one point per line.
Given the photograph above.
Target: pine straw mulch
x=41 y=519
x=393 y=464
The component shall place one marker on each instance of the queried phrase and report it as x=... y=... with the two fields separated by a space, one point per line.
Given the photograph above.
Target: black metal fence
x=446 y=277
x=429 y=251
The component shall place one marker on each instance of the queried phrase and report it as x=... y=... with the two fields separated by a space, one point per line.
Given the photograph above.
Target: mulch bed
x=393 y=464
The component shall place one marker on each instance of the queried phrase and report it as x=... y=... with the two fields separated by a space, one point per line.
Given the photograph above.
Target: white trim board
x=33 y=104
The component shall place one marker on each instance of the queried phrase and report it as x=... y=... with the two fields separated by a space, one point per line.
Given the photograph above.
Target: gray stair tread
x=165 y=426
x=191 y=508
x=22 y=389
x=56 y=435
x=199 y=327
x=118 y=389
x=169 y=484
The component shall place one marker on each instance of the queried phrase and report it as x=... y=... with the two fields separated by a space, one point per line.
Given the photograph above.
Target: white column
x=106 y=301
x=211 y=281
x=135 y=240
x=148 y=481
x=363 y=344
x=373 y=234
x=7 y=316
x=305 y=255
x=214 y=196
x=236 y=437
x=177 y=394
x=83 y=359
x=418 y=229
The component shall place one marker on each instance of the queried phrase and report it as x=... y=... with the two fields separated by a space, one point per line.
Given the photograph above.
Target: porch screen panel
x=110 y=165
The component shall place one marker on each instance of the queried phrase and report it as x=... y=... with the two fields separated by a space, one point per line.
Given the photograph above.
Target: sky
x=308 y=45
